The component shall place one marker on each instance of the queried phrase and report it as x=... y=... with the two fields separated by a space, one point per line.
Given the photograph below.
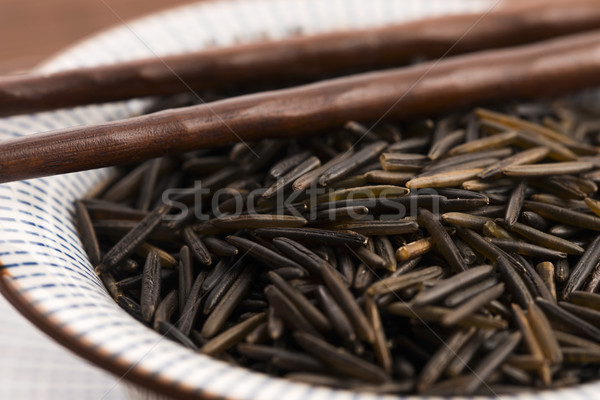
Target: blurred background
x=33 y=30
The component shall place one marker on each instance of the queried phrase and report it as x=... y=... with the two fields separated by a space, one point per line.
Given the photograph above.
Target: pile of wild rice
x=457 y=256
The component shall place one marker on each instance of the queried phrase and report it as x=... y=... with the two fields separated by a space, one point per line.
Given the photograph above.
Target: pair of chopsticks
x=550 y=68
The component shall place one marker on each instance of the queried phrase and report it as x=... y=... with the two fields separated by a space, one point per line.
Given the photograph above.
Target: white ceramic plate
x=44 y=270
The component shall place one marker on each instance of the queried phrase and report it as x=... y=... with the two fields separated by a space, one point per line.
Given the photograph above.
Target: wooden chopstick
x=302 y=58
x=550 y=68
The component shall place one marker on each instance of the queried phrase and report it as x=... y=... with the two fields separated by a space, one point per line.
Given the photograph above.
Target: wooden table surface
x=33 y=30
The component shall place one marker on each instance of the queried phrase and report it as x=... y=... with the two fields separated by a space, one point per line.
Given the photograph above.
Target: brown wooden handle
x=303 y=58
x=551 y=68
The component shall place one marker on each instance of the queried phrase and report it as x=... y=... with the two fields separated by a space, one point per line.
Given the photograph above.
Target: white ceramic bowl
x=44 y=271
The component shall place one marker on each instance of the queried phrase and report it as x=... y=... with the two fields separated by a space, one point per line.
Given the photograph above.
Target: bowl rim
x=117 y=367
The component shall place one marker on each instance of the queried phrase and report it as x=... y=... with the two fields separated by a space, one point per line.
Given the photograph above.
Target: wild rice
x=390 y=266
